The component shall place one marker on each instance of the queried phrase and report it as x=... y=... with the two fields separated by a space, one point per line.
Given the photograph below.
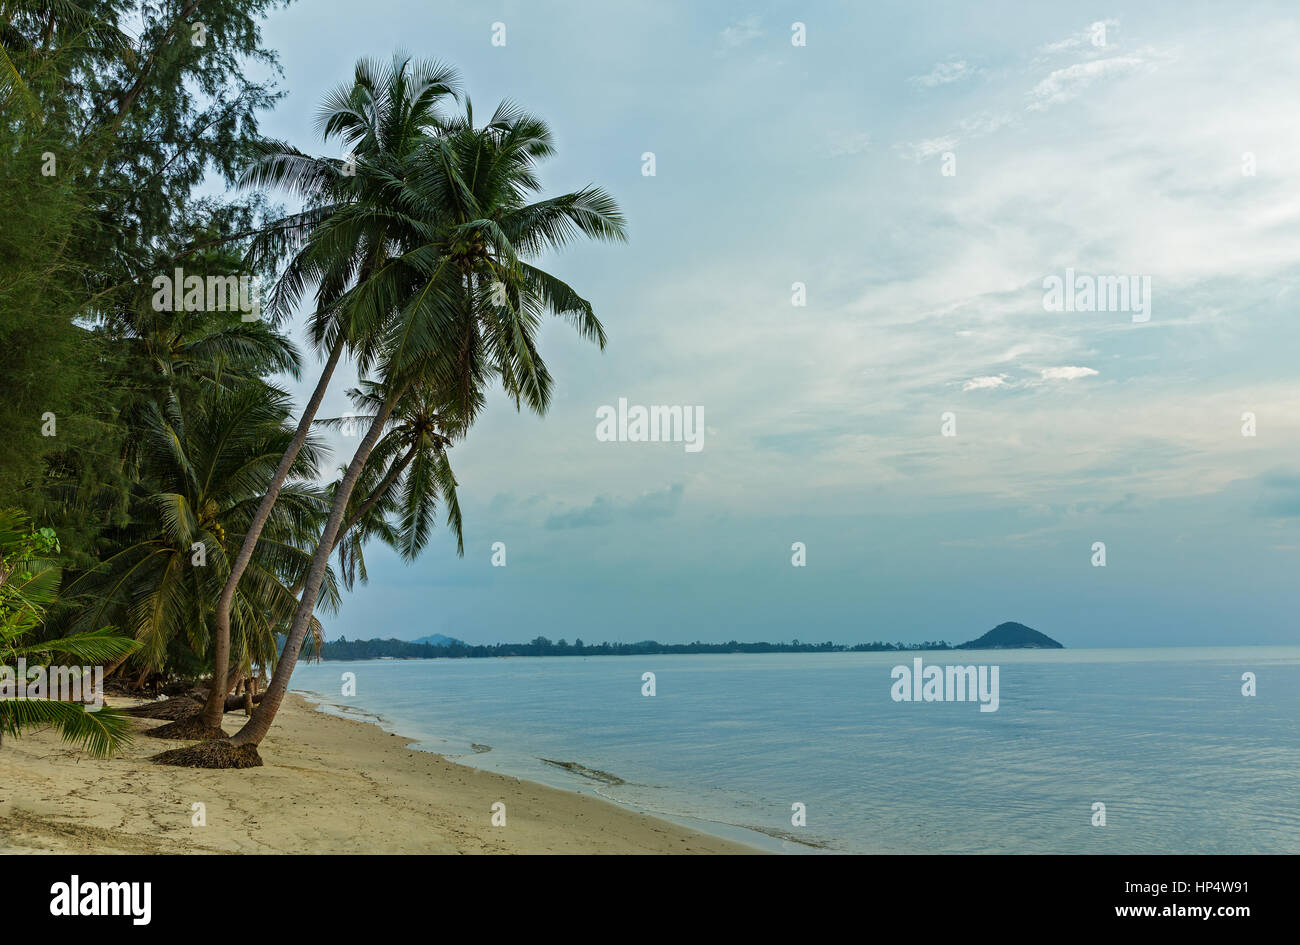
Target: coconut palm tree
x=348 y=229
x=397 y=493
x=407 y=473
x=471 y=306
x=170 y=355
x=202 y=480
x=154 y=359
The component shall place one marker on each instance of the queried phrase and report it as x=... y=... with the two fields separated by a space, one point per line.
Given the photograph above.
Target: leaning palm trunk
x=260 y=723
x=380 y=491
x=215 y=706
x=394 y=472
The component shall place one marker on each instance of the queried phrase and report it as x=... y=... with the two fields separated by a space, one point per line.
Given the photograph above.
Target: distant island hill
x=1005 y=636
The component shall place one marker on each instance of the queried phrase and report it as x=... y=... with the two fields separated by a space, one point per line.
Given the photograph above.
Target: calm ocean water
x=1163 y=737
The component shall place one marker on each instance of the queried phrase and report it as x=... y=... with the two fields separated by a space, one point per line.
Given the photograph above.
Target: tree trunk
x=221 y=645
x=234 y=703
x=257 y=727
x=391 y=477
x=394 y=471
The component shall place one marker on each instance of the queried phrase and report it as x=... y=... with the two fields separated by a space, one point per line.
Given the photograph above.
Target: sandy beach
x=329 y=785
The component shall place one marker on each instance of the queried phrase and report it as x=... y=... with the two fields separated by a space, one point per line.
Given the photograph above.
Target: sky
x=922 y=171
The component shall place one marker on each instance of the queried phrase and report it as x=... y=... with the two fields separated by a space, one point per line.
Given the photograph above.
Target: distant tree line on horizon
x=344 y=649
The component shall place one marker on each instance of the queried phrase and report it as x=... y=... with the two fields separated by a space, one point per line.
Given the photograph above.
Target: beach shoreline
x=330 y=784
x=575 y=778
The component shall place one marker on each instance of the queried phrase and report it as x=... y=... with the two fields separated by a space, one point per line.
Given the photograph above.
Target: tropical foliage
x=190 y=493
x=201 y=475
x=29 y=582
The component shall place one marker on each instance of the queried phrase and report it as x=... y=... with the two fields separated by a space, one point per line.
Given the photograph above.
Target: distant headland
x=1012 y=636
x=1005 y=636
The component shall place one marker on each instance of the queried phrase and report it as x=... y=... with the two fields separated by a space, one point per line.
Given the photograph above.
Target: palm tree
x=201 y=481
x=398 y=490
x=348 y=228
x=170 y=355
x=155 y=361
x=406 y=474
x=28 y=585
x=471 y=308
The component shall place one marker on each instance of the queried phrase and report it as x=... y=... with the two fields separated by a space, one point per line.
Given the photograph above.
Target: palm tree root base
x=190 y=729
x=182 y=707
x=214 y=754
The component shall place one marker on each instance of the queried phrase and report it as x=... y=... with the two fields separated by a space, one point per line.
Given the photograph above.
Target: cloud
x=988 y=382
x=739 y=33
x=908 y=313
x=954 y=70
x=1085 y=39
x=929 y=147
x=1067 y=373
x=973 y=126
x=984 y=123
x=1062 y=85
x=605 y=510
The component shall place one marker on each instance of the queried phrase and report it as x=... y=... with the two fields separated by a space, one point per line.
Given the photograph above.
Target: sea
x=1104 y=751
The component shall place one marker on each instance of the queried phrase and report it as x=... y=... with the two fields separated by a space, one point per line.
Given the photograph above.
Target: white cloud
x=988 y=382
x=1084 y=39
x=954 y=70
x=1065 y=84
x=984 y=123
x=973 y=126
x=929 y=147
x=945 y=296
x=1067 y=373
x=740 y=33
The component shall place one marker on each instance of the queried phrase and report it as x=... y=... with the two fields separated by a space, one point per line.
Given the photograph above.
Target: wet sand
x=329 y=785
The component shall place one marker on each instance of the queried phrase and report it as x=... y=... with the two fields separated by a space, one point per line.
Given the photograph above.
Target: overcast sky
x=1167 y=151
